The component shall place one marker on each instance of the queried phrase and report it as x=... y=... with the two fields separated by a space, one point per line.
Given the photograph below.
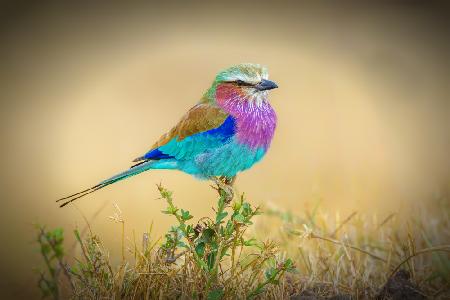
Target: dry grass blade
x=333 y=235
x=222 y=256
x=314 y=236
x=444 y=248
x=387 y=219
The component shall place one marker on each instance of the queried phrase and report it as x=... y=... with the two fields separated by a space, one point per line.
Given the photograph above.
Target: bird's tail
x=128 y=173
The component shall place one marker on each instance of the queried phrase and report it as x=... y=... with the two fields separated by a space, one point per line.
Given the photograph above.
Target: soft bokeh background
x=363 y=109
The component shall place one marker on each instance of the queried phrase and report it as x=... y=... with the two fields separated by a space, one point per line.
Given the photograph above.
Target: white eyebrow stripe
x=246 y=79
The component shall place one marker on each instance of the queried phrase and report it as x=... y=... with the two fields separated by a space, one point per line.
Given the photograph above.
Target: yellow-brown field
x=267 y=253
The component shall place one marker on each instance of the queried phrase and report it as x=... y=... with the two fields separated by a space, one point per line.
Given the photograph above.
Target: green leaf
x=58 y=235
x=211 y=258
x=220 y=216
x=189 y=230
x=215 y=294
x=239 y=218
x=59 y=251
x=77 y=236
x=194 y=295
x=237 y=205
x=289 y=264
x=229 y=228
x=207 y=235
x=74 y=269
x=182 y=244
x=202 y=264
x=200 y=249
x=45 y=249
x=270 y=273
x=246 y=209
x=185 y=215
x=221 y=203
x=250 y=242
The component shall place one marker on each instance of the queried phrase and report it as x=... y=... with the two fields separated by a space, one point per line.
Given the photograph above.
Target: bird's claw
x=225 y=186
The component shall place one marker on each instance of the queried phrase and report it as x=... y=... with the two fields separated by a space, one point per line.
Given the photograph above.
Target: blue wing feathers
x=156 y=154
x=196 y=143
x=224 y=131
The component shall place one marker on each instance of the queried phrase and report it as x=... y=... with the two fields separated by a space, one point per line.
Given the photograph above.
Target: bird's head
x=244 y=82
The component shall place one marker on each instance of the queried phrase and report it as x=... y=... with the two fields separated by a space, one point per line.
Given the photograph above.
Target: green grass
x=238 y=252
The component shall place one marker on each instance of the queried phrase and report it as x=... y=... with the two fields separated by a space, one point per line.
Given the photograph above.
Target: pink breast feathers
x=255 y=118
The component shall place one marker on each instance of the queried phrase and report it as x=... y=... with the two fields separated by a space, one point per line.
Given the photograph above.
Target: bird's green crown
x=245 y=75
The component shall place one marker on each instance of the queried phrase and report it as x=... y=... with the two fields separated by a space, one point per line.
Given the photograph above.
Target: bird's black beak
x=265 y=85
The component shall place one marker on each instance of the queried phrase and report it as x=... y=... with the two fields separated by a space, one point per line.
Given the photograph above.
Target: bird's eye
x=242 y=83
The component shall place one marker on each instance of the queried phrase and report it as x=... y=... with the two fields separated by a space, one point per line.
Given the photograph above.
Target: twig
x=312 y=235
x=173 y=258
x=445 y=248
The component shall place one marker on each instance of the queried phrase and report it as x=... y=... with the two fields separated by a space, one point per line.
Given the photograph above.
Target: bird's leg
x=230 y=181
x=225 y=184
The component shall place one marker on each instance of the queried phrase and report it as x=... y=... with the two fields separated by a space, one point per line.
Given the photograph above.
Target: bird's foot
x=224 y=186
x=229 y=181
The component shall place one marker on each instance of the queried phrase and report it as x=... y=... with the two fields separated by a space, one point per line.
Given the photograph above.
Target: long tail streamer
x=128 y=173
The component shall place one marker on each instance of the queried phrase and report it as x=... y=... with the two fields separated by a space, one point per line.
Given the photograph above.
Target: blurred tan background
x=363 y=109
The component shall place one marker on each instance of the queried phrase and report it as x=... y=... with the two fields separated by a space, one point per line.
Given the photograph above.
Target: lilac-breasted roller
x=226 y=132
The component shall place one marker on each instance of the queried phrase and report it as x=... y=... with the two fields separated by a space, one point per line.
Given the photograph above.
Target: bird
x=229 y=130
